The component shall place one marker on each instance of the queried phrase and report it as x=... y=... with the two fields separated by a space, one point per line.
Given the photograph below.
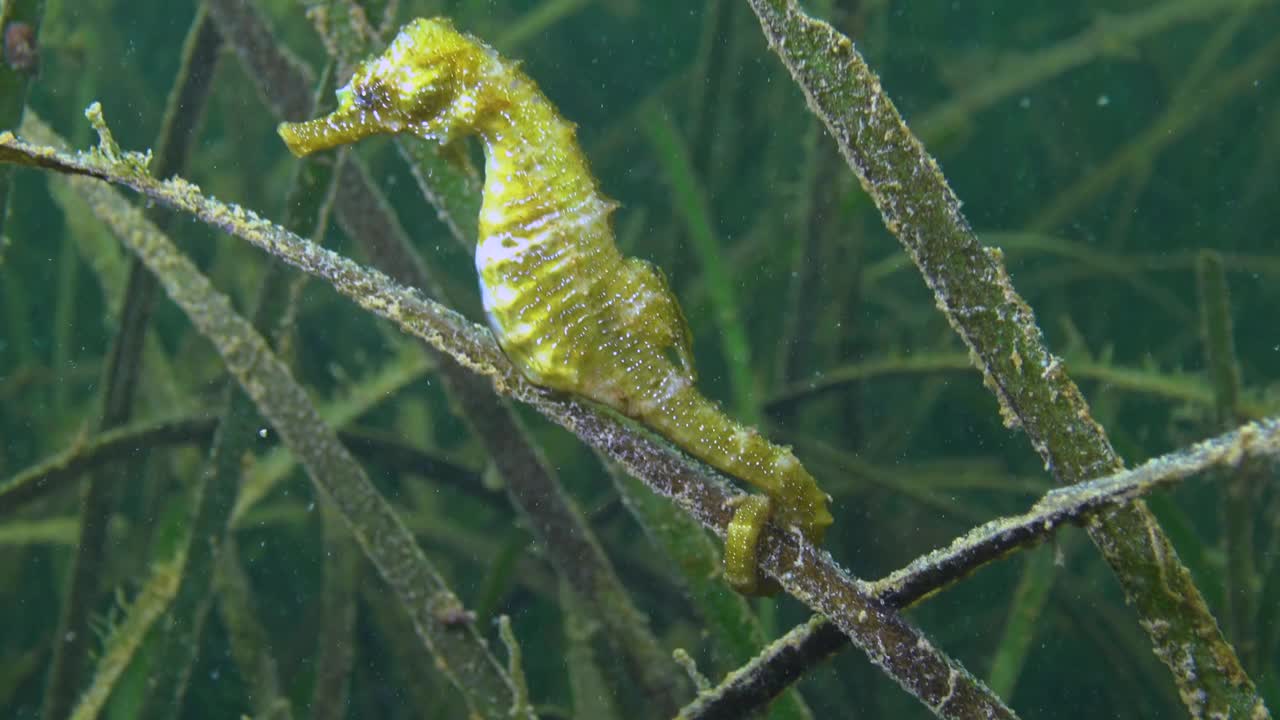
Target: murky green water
x=1122 y=156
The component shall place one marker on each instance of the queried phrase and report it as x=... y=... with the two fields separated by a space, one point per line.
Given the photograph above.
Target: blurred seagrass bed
x=370 y=528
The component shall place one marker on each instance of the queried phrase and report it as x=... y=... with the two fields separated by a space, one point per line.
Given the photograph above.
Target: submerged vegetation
x=226 y=489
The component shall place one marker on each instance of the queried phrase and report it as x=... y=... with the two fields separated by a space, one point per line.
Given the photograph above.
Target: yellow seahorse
x=568 y=309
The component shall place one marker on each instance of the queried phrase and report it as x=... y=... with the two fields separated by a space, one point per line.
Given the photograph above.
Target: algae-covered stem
x=1035 y=393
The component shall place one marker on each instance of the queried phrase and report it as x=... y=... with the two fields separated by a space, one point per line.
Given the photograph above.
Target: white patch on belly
x=500 y=248
x=487 y=300
x=502 y=296
x=673 y=383
x=520 y=333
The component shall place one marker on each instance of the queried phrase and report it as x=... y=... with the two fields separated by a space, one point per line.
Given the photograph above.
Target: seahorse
x=570 y=311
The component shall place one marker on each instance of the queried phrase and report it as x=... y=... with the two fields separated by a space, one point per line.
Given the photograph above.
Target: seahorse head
x=432 y=81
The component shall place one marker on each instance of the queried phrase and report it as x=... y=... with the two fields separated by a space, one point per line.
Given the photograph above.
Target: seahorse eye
x=369 y=96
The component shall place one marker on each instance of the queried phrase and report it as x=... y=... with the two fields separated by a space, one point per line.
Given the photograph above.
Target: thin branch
x=1108 y=34
x=48 y=477
x=251 y=648
x=54 y=474
x=1176 y=387
x=774 y=669
x=149 y=606
x=1241 y=494
x=1073 y=504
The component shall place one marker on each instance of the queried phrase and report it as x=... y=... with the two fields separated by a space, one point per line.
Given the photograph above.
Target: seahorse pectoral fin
x=664 y=322
x=741 y=547
x=456 y=153
x=683 y=336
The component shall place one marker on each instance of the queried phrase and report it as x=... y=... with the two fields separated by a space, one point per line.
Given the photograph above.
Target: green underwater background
x=166 y=549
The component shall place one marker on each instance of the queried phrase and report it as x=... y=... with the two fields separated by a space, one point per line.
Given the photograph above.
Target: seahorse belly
x=538 y=281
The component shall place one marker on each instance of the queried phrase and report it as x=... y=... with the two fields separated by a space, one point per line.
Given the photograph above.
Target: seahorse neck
x=533 y=164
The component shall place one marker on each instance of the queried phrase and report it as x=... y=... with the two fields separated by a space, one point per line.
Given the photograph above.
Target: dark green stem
x=1239 y=500
x=183 y=113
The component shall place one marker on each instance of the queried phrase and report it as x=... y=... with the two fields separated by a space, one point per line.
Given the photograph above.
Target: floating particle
x=20 y=49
